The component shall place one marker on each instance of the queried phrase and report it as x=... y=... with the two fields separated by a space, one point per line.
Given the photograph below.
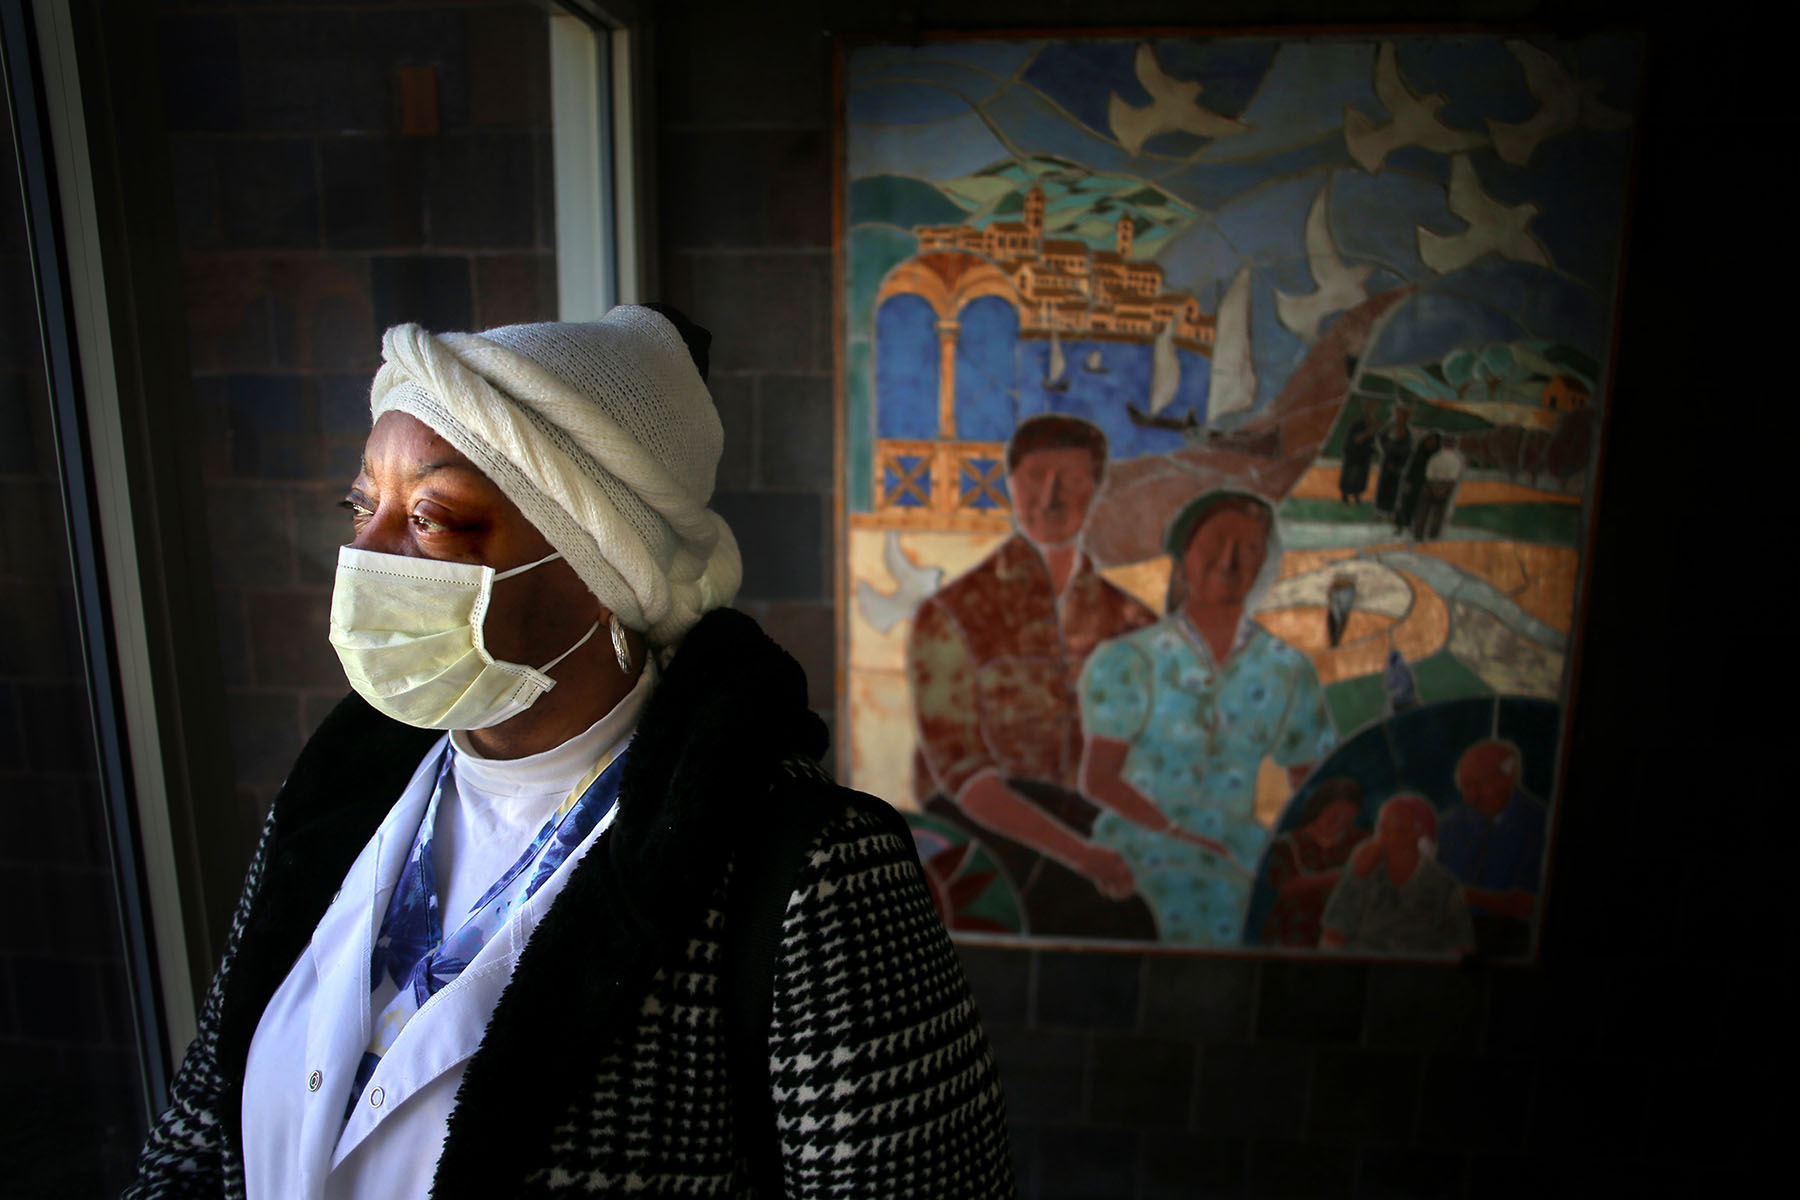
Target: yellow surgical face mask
x=408 y=631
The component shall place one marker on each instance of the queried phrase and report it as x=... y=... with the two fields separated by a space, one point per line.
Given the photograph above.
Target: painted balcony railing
x=943 y=484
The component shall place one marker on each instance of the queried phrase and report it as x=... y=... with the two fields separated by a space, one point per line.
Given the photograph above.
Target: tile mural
x=1219 y=428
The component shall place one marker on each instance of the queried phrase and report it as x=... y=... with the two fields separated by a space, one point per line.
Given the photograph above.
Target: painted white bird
x=1172 y=107
x=1494 y=228
x=1340 y=286
x=912 y=585
x=1412 y=120
x=1564 y=103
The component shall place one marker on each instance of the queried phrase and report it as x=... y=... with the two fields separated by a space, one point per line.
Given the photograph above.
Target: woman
x=487 y=947
x=1180 y=715
x=1304 y=863
x=1396 y=446
x=1412 y=488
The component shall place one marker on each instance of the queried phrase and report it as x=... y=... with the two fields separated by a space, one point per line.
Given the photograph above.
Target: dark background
x=1641 y=1053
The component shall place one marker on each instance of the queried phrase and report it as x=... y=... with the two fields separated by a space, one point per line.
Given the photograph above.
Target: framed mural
x=1219 y=422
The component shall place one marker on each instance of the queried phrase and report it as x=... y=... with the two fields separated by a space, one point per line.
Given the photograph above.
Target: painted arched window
x=906 y=369
x=986 y=370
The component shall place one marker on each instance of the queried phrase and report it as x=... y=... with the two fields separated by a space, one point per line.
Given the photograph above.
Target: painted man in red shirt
x=994 y=659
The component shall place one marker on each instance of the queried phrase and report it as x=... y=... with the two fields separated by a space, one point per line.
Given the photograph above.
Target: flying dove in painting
x=1564 y=103
x=1494 y=228
x=1172 y=107
x=1340 y=286
x=913 y=584
x=1412 y=120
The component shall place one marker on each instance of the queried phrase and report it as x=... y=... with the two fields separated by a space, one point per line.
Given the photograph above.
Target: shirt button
x=313 y=1081
x=376 y=1097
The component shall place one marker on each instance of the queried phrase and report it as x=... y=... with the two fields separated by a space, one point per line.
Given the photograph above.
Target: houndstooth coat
x=881 y=1081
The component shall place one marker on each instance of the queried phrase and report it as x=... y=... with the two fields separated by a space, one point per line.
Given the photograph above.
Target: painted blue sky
x=941 y=111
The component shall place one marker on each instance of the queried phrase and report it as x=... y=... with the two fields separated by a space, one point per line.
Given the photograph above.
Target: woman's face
x=417 y=496
x=1333 y=824
x=1224 y=557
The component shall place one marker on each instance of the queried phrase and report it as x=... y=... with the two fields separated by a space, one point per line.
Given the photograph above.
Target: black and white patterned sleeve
x=187 y=1151
x=882 y=1078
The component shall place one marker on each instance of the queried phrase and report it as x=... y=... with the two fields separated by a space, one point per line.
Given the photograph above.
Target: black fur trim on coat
x=729 y=707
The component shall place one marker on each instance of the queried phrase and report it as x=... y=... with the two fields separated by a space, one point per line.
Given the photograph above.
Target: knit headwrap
x=605 y=437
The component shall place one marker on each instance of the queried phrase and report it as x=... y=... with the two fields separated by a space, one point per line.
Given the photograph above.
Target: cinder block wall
x=315 y=209
x=743 y=160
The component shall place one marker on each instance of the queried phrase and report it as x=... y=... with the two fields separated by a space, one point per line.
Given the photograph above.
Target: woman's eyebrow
x=444 y=464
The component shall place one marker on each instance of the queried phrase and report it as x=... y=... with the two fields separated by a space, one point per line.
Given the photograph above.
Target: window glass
x=71 y=1107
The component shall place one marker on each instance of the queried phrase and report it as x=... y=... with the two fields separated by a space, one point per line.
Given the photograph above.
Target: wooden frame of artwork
x=1219 y=420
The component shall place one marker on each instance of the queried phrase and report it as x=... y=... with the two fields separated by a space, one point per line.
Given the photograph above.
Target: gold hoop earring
x=621 y=647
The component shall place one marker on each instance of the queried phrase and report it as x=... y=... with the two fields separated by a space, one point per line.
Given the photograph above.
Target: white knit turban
x=605 y=437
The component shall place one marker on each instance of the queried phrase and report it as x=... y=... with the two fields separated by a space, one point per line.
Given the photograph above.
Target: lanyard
x=414 y=958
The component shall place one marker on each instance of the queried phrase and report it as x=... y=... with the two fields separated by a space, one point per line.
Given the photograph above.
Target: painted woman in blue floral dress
x=1179 y=717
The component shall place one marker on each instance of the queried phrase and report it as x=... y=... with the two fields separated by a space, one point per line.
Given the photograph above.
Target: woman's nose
x=384 y=532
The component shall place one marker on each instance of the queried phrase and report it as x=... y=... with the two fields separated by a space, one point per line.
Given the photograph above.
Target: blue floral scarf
x=414 y=957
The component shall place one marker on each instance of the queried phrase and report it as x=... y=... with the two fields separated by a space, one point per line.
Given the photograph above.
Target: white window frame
x=596 y=104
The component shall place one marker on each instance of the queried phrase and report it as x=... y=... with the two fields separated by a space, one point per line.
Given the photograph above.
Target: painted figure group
x=1127 y=771
x=1421 y=881
x=1419 y=471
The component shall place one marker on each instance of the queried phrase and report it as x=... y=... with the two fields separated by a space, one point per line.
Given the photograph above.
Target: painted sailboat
x=1094 y=365
x=1057 y=379
x=1233 y=367
x=1232 y=393
x=1165 y=380
x=1165 y=369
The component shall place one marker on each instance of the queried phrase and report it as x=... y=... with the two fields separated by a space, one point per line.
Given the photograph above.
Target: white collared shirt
x=312 y=1035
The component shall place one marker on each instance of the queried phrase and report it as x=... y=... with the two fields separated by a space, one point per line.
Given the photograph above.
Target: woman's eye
x=358 y=511
x=427 y=525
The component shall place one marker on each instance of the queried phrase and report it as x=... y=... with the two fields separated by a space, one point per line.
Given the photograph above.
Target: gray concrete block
x=1205 y=998
x=1256 y=1091
x=794 y=437
x=782 y=539
x=1041 y=1073
x=1363 y=1096
x=1311 y=1001
x=1088 y=991
x=268 y=193
x=1141 y=1082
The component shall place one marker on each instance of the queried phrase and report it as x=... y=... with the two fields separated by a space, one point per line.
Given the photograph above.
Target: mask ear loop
x=592 y=630
x=511 y=571
x=582 y=641
x=478 y=617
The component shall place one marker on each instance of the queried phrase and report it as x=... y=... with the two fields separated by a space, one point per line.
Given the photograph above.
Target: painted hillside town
x=1220 y=428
